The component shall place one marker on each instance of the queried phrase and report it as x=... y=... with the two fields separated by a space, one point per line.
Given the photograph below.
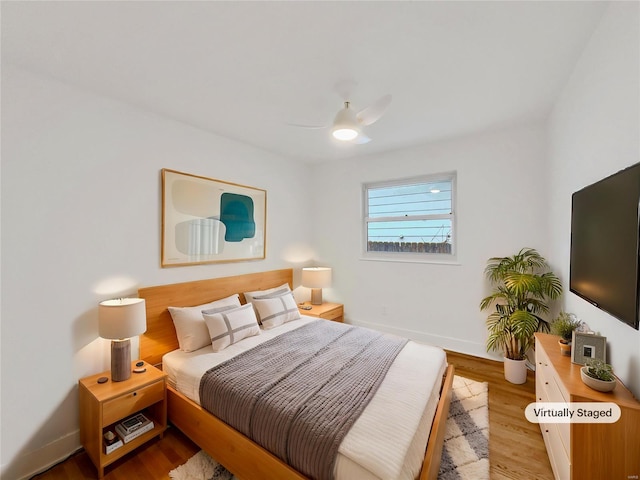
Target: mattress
x=388 y=439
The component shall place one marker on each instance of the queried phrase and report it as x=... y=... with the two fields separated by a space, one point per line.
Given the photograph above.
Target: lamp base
x=120 y=360
x=316 y=296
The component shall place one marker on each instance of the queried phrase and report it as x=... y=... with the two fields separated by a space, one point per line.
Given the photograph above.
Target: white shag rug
x=465 y=454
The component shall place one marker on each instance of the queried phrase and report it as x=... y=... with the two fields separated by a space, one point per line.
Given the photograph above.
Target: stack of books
x=133 y=427
x=111 y=442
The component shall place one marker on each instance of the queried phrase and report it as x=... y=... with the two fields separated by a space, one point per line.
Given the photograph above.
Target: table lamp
x=316 y=278
x=118 y=320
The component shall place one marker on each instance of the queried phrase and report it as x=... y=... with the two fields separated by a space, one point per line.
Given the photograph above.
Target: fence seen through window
x=414 y=215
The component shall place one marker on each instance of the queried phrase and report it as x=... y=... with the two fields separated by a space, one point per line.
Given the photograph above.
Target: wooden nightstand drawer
x=326 y=311
x=120 y=407
x=334 y=314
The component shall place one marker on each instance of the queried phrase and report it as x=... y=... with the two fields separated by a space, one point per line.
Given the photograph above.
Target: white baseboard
x=31 y=463
x=448 y=343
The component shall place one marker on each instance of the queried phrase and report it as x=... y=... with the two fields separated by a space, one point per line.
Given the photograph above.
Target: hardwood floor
x=516 y=448
x=153 y=461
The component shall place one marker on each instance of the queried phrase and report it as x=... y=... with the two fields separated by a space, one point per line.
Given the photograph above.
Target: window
x=411 y=216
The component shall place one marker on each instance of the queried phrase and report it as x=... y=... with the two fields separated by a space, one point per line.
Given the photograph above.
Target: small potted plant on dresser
x=598 y=375
x=563 y=326
x=522 y=284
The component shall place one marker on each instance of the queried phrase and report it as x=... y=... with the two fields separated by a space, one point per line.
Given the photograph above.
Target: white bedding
x=388 y=440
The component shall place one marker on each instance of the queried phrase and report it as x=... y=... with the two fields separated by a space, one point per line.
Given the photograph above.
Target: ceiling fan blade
x=310 y=127
x=361 y=139
x=373 y=112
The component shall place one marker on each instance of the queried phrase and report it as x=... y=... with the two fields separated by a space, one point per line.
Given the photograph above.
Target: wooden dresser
x=583 y=451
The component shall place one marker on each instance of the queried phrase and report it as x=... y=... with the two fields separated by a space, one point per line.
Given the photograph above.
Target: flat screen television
x=605 y=241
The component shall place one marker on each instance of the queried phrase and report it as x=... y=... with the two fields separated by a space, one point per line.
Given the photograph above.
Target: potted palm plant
x=521 y=286
x=563 y=326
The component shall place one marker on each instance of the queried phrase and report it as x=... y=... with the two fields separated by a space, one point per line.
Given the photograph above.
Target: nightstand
x=103 y=405
x=328 y=311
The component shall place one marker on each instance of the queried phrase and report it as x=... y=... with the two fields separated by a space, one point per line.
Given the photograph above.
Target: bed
x=247 y=459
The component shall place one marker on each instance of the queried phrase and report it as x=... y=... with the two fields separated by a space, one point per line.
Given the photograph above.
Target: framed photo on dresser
x=588 y=346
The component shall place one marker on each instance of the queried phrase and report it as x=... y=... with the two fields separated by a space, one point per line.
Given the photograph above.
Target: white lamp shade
x=122 y=318
x=316 y=277
x=345 y=125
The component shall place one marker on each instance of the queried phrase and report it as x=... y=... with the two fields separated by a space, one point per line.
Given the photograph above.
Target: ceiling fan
x=347 y=124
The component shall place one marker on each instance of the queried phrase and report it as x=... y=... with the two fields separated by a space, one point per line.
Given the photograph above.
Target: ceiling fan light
x=345 y=125
x=344 y=133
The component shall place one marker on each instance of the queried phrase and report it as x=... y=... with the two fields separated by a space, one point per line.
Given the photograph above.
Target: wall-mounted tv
x=605 y=244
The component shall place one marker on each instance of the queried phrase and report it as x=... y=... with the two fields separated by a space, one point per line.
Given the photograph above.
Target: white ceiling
x=247 y=70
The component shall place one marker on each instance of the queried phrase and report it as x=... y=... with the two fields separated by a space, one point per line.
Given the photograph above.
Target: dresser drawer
x=124 y=405
x=547 y=375
x=335 y=314
x=558 y=455
x=541 y=393
x=554 y=392
x=548 y=390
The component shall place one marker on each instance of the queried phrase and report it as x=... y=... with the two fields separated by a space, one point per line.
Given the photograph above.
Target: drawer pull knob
x=135 y=393
x=546 y=383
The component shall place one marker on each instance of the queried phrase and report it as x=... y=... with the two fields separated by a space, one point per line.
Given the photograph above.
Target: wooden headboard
x=160 y=337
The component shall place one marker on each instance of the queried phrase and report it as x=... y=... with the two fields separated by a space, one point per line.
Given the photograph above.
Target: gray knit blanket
x=298 y=394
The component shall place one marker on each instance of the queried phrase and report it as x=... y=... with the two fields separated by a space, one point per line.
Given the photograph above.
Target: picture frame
x=588 y=346
x=205 y=220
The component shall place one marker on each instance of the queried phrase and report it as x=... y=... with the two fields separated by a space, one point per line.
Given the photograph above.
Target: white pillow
x=249 y=296
x=231 y=326
x=275 y=290
x=191 y=328
x=274 y=310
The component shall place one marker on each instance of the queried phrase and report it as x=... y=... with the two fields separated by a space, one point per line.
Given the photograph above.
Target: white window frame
x=411 y=256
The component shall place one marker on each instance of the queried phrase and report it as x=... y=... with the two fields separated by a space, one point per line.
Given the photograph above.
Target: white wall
x=501 y=208
x=81 y=223
x=594 y=131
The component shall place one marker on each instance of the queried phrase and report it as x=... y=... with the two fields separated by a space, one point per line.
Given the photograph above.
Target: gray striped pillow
x=230 y=326
x=274 y=310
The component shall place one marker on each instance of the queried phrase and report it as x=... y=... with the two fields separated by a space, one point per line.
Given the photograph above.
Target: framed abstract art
x=205 y=220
